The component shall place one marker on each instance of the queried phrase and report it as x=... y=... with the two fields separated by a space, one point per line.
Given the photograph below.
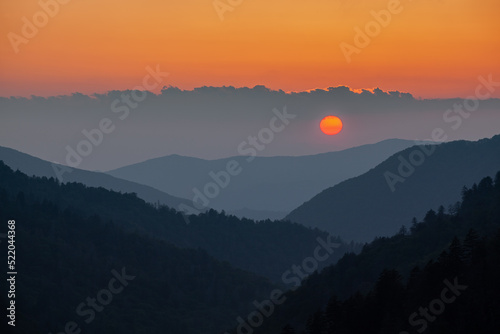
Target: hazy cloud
x=210 y=122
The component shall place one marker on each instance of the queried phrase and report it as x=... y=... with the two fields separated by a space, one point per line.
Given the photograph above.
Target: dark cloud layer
x=211 y=122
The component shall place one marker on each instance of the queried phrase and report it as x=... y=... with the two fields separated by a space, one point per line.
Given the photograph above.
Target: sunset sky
x=431 y=48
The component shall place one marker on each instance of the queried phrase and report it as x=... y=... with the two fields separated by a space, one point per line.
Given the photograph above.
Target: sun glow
x=331 y=125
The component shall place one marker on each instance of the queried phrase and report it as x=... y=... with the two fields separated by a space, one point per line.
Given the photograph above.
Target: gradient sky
x=433 y=48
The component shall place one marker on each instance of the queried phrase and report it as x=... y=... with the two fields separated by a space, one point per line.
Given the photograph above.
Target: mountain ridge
x=276 y=184
x=364 y=207
x=34 y=166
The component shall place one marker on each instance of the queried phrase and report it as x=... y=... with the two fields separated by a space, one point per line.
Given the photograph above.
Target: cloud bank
x=210 y=122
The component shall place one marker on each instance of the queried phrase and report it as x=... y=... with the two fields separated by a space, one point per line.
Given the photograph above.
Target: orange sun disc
x=331 y=125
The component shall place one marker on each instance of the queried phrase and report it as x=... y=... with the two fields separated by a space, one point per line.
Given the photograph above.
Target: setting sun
x=331 y=125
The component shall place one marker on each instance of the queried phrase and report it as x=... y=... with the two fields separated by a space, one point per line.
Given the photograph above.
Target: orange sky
x=432 y=48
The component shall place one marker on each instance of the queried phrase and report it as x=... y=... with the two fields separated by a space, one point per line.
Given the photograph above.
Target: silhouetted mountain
x=275 y=184
x=81 y=271
x=33 y=166
x=393 y=282
x=421 y=177
x=266 y=248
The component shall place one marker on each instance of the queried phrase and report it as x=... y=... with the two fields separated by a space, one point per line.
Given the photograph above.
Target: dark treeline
x=64 y=256
x=383 y=289
x=67 y=252
x=267 y=248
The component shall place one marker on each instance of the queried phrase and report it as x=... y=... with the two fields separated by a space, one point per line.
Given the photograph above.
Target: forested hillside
x=378 y=290
x=267 y=248
x=64 y=256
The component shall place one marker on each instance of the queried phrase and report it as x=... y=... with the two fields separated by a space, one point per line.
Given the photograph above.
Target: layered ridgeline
x=266 y=248
x=406 y=185
x=33 y=166
x=258 y=187
x=440 y=276
x=78 y=272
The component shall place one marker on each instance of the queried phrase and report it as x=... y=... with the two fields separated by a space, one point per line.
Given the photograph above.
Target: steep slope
x=364 y=207
x=266 y=183
x=37 y=167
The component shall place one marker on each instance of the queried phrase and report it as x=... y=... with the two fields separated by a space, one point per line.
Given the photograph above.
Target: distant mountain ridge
x=33 y=166
x=364 y=207
x=276 y=184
